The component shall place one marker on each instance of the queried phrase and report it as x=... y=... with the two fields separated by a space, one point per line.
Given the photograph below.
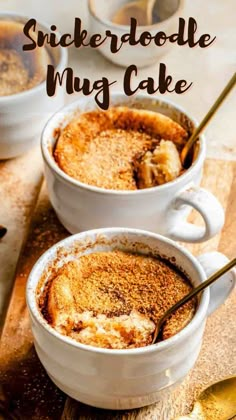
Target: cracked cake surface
x=100 y=148
x=113 y=299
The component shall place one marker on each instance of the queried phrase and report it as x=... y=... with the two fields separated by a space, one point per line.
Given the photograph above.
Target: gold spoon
x=188 y=146
x=217 y=402
x=189 y=296
x=139 y=9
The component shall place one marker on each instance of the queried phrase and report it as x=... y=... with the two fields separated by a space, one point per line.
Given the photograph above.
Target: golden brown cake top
x=99 y=148
x=115 y=284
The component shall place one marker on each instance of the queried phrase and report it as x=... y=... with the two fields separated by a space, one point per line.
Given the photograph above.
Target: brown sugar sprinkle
x=99 y=148
x=115 y=284
x=14 y=76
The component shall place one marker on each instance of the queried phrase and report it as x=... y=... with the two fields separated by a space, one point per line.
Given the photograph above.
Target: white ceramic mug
x=123 y=379
x=161 y=209
x=101 y=13
x=23 y=115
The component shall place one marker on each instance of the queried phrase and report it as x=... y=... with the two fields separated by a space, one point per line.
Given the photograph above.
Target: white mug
x=100 y=16
x=123 y=379
x=23 y=115
x=161 y=209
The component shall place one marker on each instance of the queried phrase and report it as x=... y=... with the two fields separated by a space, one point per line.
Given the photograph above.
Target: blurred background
x=209 y=69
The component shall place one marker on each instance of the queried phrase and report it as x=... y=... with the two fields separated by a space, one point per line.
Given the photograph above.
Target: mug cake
x=122 y=167
x=123 y=377
x=114 y=299
x=19 y=70
x=121 y=149
x=24 y=104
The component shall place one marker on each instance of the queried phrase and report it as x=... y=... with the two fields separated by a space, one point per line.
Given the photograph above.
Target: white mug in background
x=54 y=12
x=23 y=115
x=123 y=379
x=101 y=13
x=161 y=209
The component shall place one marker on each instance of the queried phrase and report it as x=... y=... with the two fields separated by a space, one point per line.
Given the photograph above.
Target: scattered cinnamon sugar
x=115 y=284
x=99 y=148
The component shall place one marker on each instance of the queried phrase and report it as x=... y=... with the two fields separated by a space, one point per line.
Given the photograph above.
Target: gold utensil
x=139 y=9
x=189 y=296
x=217 y=402
x=188 y=146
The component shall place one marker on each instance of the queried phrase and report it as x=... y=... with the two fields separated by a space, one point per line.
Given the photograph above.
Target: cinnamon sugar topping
x=19 y=70
x=113 y=299
x=101 y=148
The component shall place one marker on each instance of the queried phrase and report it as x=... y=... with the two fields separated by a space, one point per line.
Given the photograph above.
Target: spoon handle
x=197 y=289
x=207 y=118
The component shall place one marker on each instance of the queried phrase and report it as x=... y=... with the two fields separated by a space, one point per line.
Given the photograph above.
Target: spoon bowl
x=218 y=400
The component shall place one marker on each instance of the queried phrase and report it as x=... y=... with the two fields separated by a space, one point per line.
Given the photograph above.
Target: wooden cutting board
x=26 y=392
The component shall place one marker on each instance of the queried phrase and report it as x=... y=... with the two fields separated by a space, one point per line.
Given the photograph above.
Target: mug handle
x=207 y=205
x=221 y=289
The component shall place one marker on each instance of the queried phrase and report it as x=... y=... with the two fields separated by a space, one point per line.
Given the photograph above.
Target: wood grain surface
x=26 y=392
